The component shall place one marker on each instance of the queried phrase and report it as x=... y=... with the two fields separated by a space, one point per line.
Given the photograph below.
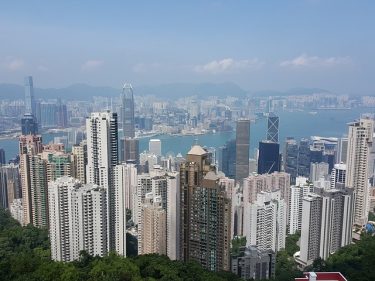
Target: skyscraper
x=2 y=156
x=359 y=145
x=304 y=158
x=269 y=157
x=79 y=161
x=127 y=100
x=338 y=176
x=205 y=208
x=291 y=159
x=242 y=148
x=29 y=96
x=129 y=150
x=29 y=124
x=273 y=128
x=154 y=146
x=102 y=153
x=318 y=171
x=78 y=219
x=227 y=159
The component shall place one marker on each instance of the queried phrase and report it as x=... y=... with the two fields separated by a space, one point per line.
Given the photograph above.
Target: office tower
x=318 y=171
x=265 y=221
x=79 y=161
x=273 y=128
x=269 y=157
x=78 y=219
x=227 y=159
x=61 y=114
x=304 y=158
x=154 y=146
x=253 y=263
x=33 y=181
x=29 y=125
x=327 y=219
x=129 y=150
x=205 y=208
x=16 y=210
x=29 y=96
x=154 y=226
x=359 y=145
x=342 y=150
x=338 y=176
x=242 y=148
x=2 y=157
x=102 y=153
x=173 y=216
x=297 y=193
x=127 y=100
x=48 y=116
x=125 y=181
x=291 y=159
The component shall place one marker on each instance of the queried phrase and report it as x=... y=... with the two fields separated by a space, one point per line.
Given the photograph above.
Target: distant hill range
x=165 y=91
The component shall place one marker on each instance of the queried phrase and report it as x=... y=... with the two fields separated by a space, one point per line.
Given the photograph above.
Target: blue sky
x=259 y=45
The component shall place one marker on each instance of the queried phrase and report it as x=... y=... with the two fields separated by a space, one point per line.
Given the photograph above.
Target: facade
x=227 y=159
x=242 y=148
x=125 y=181
x=342 y=150
x=154 y=226
x=2 y=156
x=102 y=153
x=206 y=209
x=127 y=115
x=29 y=124
x=327 y=219
x=10 y=185
x=253 y=263
x=154 y=146
x=303 y=168
x=78 y=219
x=269 y=157
x=273 y=128
x=338 y=175
x=318 y=171
x=129 y=150
x=291 y=159
x=79 y=161
x=359 y=145
x=297 y=192
x=173 y=216
x=265 y=221
x=29 y=96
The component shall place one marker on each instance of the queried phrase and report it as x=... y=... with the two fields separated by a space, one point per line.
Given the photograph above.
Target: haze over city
x=259 y=45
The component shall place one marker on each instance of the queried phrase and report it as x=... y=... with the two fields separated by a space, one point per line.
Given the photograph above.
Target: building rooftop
x=197 y=150
x=320 y=276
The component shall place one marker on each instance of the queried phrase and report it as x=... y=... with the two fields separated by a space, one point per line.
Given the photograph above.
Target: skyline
x=259 y=46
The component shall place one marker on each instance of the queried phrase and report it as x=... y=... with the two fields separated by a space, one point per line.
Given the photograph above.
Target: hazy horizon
x=276 y=45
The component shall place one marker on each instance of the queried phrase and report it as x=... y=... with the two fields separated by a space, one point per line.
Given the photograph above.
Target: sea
x=297 y=123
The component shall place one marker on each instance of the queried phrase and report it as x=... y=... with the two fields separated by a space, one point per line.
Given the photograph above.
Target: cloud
x=145 y=67
x=42 y=68
x=14 y=64
x=91 y=65
x=315 y=61
x=228 y=65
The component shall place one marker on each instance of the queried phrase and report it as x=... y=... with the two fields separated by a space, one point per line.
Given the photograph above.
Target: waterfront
x=298 y=124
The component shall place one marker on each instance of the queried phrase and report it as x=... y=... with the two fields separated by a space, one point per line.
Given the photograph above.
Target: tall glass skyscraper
x=242 y=148
x=29 y=95
x=273 y=128
x=127 y=100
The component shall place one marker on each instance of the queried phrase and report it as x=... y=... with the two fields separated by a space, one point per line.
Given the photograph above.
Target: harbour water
x=297 y=124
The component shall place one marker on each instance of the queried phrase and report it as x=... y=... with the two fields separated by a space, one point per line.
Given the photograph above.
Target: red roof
x=328 y=276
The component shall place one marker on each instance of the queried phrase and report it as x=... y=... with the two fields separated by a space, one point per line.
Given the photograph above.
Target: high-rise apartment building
x=79 y=161
x=78 y=219
x=338 y=176
x=265 y=221
x=273 y=128
x=318 y=171
x=360 y=139
x=342 y=151
x=173 y=216
x=205 y=208
x=327 y=218
x=102 y=153
x=10 y=185
x=154 y=230
x=127 y=115
x=242 y=148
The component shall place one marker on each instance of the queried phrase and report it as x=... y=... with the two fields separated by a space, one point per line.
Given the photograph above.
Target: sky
x=260 y=45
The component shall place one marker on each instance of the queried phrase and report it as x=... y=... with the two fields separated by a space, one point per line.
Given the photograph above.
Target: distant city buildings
x=127 y=100
x=242 y=148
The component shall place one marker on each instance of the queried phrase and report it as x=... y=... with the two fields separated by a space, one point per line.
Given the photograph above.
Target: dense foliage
x=25 y=255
